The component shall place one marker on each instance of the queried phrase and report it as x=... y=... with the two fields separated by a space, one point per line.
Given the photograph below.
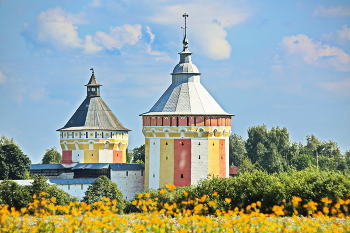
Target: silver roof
x=93 y=113
x=91 y=166
x=46 y=166
x=73 y=181
x=186 y=95
x=126 y=166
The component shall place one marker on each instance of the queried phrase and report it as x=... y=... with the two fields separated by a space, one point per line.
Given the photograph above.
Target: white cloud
x=119 y=36
x=301 y=47
x=207 y=23
x=91 y=46
x=57 y=27
x=161 y=56
x=39 y=94
x=95 y=3
x=3 y=78
x=340 y=88
x=341 y=36
x=332 y=11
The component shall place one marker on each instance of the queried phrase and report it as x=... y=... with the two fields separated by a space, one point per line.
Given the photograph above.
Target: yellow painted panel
x=166 y=174
x=160 y=134
x=91 y=156
x=174 y=134
x=213 y=157
x=62 y=147
x=71 y=146
x=191 y=134
x=124 y=156
x=146 y=185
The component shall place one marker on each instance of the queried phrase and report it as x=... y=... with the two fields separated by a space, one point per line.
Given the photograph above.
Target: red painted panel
x=67 y=156
x=200 y=121
x=192 y=121
x=182 y=162
x=222 y=158
x=214 y=121
x=154 y=121
x=166 y=121
x=159 y=121
x=228 y=121
x=144 y=122
x=207 y=121
x=182 y=121
x=117 y=156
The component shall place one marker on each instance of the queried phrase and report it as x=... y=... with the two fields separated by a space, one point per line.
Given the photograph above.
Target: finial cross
x=92 y=70
x=185 y=42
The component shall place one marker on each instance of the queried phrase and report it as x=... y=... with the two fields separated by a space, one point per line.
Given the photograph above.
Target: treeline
x=272 y=151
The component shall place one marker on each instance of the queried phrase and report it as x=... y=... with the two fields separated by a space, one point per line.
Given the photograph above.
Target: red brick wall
x=182 y=162
x=67 y=157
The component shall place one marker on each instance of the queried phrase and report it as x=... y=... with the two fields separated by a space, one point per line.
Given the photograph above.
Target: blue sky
x=278 y=63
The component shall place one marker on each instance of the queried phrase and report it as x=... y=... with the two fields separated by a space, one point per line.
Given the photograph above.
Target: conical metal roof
x=93 y=113
x=186 y=95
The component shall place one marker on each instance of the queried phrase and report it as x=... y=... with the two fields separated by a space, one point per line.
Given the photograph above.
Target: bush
x=104 y=187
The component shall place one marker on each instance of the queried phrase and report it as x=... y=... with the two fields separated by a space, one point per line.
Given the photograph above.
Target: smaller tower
x=93 y=134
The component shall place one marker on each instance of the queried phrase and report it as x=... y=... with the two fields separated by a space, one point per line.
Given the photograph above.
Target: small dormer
x=93 y=87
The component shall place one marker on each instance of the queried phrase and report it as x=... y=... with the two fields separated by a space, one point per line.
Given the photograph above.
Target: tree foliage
x=272 y=151
x=52 y=156
x=104 y=187
x=14 y=164
x=138 y=154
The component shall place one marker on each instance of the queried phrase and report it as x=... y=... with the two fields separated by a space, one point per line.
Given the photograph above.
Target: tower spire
x=185 y=41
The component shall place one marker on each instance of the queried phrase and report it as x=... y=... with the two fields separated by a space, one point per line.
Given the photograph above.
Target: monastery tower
x=186 y=131
x=93 y=134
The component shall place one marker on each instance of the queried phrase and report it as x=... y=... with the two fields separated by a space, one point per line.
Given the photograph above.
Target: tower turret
x=186 y=131
x=93 y=134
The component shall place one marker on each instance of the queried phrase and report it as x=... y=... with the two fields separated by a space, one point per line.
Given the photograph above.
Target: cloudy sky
x=278 y=63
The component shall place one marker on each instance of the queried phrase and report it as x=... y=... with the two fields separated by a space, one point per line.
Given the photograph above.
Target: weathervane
x=185 y=41
x=92 y=70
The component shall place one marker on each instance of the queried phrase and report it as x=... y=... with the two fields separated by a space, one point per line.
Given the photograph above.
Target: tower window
x=205 y=119
x=182 y=143
x=127 y=173
x=102 y=134
x=195 y=121
x=95 y=134
x=177 y=121
x=213 y=143
x=199 y=143
x=188 y=121
x=82 y=186
x=199 y=157
x=166 y=143
x=182 y=175
x=154 y=175
x=73 y=135
x=87 y=135
x=166 y=158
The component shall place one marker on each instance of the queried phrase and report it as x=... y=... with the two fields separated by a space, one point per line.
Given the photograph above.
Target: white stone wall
x=77 y=190
x=76 y=158
x=106 y=156
x=129 y=182
x=199 y=166
x=154 y=163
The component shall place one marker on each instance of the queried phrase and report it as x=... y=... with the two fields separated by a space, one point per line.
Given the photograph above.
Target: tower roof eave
x=185 y=114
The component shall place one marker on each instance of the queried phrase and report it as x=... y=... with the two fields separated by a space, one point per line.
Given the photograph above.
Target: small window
x=199 y=157
x=182 y=143
x=154 y=175
x=141 y=172
x=95 y=134
x=92 y=155
x=127 y=173
x=166 y=158
x=102 y=134
x=199 y=143
x=82 y=186
x=87 y=135
x=68 y=187
x=166 y=143
x=182 y=175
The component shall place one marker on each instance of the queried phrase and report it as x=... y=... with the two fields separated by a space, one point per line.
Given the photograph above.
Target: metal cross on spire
x=185 y=41
x=92 y=70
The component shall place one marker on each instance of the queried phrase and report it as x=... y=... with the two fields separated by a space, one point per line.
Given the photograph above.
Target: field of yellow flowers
x=43 y=215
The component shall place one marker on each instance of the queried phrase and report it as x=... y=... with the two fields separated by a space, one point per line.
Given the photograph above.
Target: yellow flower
x=147 y=195
x=140 y=195
x=215 y=194
x=162 y=191
x=185 y=193
x=228 y=200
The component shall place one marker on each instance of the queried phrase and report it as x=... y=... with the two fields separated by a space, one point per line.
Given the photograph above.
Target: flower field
x=192 y=215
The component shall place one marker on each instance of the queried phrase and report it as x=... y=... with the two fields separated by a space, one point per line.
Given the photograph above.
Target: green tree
x=255 y=144
x=14 y=195
x=104 y=187
x=128 y=156
x=52 y=156
x=327 y=163
x=138 y=154
x=303 y=161
x=237 y=151
x=13 y=163
x=40 y=185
